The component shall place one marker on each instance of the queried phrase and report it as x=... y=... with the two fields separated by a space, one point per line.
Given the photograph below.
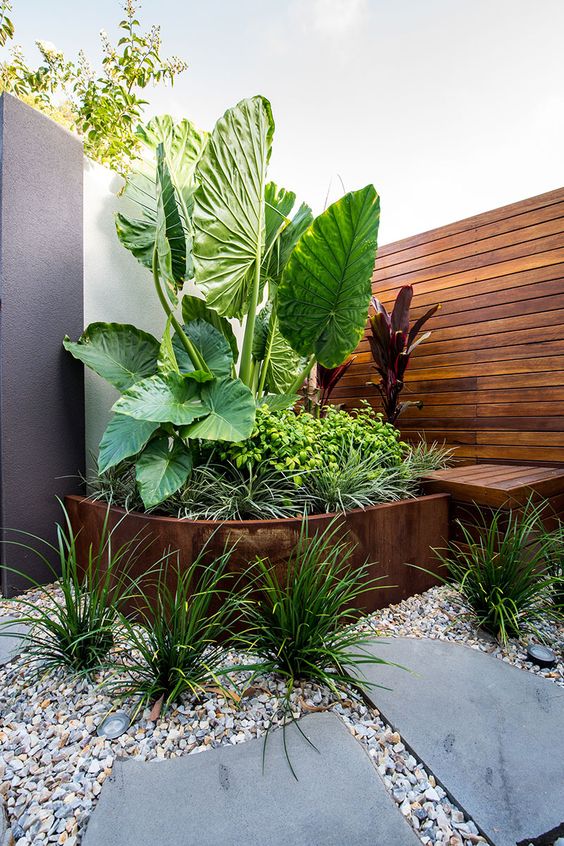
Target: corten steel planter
x=391 y=536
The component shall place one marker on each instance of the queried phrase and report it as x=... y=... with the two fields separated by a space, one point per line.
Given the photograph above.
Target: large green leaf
x=229 y=205
x=124 y=437
x=161 y=470
x=284 y=365
x=211 y=345
x=163 y=399
x=231 y=415
x=325 y=289
x=194 y=308
x=282 y=232
x=183 y=145
x=118 y=352
x=170 y=232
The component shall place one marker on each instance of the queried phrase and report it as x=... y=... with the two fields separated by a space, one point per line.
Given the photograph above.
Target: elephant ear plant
x=392 y=342
x=203 y=211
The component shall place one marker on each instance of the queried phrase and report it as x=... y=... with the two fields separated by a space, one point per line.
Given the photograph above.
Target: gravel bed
x=53 y=765
x=440 y=613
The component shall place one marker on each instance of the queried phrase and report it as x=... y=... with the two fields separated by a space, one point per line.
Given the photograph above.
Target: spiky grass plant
x=227 y=492
x=423 y=458
x=174 y=640
x=553 y=548
x=352 y=480
x=117 y=486
x=72 y=625
x=301 y=624
x=501 y=569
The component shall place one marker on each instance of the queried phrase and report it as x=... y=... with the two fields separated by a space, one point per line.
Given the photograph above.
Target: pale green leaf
x=194 y=308
x=161 y=470
x=231 y=407
x=211 y=345
x=229 y=206
x=118 y=352
x=170 y=399
x=124 y=437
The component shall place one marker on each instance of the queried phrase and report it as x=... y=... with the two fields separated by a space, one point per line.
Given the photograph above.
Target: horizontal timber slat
x=491 y=376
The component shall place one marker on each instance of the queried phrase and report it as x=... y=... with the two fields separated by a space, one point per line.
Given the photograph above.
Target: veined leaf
x=183 y=146
x=170 y=235
x=229 y=205
x=118 y=352
x=278 y=402
x=284 y=364
x=231 y=407
x=194 y=308
x=161 y=470
x=211 y=345
x=170 y=399
x=326 y=285
x=282 y=233
x=124 y=437
x=167 y=362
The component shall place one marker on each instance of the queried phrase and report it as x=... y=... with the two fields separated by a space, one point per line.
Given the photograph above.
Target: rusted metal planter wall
x=392 y=536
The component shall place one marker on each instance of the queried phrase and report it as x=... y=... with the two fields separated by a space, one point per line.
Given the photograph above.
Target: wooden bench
x=493 y=486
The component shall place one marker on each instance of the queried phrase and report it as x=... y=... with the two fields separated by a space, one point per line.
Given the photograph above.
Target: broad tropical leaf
x=161 y=470
x=183 y=146
x=118 y=352
x=124 y=437
x=325 y=289
x=194 y=308
x=278 y=402
x=284 y=364
x=281 y=241
x=211 y=345
x=170 y=231
x=229 y=205
x=167 y=362
x=231 y=415
x=170 y=399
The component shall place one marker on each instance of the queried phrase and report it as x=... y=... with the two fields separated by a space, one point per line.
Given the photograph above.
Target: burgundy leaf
x=400 y=314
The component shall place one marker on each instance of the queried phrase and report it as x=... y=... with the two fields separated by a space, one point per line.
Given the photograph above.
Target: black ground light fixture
x=541 y=655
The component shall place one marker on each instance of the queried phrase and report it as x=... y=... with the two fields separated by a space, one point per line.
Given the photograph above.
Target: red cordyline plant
x=391 y=343
x=329 y=377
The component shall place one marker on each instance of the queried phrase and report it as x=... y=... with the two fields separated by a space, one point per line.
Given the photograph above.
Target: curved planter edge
x=392 y=536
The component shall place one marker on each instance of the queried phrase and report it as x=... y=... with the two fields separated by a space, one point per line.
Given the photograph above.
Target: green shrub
x=301 y=625
x=172 y=641
x=501 y=569
x=553 y=547
x=286 y=441
x=73 y=625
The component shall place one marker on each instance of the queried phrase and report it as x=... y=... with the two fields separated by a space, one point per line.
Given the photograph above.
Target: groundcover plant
x=299 y=285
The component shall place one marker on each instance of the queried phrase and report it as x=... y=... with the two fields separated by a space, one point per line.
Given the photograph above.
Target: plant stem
x=195 y=356
x=298 y=382
x=270 y=340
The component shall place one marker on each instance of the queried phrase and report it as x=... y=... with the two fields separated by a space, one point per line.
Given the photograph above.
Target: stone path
x=492 y=734
x=10 y=641
x=222 y=796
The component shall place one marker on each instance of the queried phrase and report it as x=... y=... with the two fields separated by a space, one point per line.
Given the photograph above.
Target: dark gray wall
x=41 y=300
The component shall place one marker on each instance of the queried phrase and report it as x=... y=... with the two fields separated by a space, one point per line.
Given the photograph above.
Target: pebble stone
x=53 y=765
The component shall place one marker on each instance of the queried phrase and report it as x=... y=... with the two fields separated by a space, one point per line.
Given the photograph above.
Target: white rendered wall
x=117 y=289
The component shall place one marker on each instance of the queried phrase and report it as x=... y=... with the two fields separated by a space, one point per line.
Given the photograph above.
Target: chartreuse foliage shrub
x=205 y=211
x=504 y=568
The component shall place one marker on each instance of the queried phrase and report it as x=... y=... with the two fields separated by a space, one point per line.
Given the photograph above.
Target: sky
x=450 y=107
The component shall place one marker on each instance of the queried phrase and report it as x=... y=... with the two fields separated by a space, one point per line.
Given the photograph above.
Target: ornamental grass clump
x=301 y=623
x=174 y=641
x=72 y=624
x=501 y=568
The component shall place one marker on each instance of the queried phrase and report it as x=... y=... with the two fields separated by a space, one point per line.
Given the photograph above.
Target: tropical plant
x=422 y=458
x=392 y=342
x=500 y=567
x=355 y=480
x=73 y=623
x=205 y=210
x=317 y=391
x=221 y=491
x=103 y=108
x=173 y=640
x=301 y=624
x=302 y=442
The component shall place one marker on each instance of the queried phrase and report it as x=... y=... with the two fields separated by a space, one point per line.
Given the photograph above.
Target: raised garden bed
x=392 y=535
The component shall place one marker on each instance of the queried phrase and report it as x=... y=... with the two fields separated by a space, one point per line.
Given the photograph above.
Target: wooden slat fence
x=491 y=376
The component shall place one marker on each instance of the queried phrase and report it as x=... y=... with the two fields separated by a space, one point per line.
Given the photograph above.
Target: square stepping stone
x=222 y=796
x=491 y=733
x=11 y=640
